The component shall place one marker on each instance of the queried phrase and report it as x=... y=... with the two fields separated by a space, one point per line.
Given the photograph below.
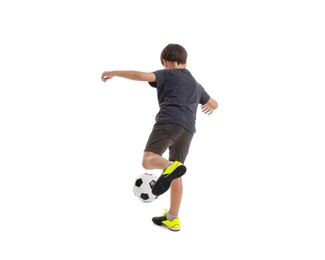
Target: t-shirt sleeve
x=160 y=78
x=204 y=96
x=153 y=84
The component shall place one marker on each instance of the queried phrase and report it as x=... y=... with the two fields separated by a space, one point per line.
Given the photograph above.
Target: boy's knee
x=146 y=159
x=144 y=163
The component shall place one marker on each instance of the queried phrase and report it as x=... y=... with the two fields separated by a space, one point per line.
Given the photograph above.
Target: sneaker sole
x=174 y=230
x=163 y=182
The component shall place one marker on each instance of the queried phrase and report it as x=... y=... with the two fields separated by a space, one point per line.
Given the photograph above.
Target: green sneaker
x=172 y=172
x=173 y=225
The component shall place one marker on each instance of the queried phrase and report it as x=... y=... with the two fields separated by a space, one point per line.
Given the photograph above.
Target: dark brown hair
x=174 y=52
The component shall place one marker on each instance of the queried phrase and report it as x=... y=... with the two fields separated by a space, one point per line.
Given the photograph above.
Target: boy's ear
x=164 y=63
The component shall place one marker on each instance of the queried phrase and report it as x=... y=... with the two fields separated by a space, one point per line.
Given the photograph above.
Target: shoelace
x=165 y=212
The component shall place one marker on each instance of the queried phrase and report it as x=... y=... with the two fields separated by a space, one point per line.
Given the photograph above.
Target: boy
x=178 y=96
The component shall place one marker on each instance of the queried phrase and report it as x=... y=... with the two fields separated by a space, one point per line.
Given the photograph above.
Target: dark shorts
x=169 y=136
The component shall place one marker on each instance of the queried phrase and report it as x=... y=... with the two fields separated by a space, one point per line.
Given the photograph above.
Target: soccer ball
x=143 y=185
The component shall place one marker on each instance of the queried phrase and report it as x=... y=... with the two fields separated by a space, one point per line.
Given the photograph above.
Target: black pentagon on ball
x=152 y=183
x=144 y=196
x=138 y=182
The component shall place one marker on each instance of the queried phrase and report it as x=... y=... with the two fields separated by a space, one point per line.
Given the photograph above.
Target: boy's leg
x=178 y=151
x=176 y=192
x=170 y=218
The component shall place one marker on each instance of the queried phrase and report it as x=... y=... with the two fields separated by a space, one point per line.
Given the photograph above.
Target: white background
x=71 y=145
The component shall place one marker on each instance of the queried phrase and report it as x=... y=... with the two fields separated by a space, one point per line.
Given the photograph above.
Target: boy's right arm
x=129 y=74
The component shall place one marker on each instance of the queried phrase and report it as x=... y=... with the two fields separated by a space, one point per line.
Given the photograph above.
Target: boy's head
x=174 y=53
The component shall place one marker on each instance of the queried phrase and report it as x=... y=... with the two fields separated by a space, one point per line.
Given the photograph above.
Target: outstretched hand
x=106 y=76
x=206 y=109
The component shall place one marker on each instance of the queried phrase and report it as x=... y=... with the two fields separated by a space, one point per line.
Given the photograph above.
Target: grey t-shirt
x=178 y=96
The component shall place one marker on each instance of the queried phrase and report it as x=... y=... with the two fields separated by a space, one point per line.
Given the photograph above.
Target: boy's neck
x=174 y=65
